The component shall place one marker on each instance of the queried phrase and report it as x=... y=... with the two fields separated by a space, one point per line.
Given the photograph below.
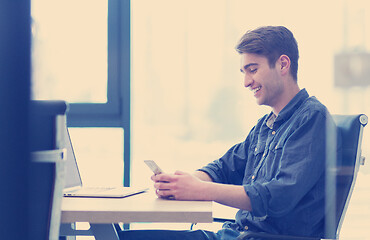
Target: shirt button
x=253 y=177
x=246 y=228
x=255 y=149
x=273 y=132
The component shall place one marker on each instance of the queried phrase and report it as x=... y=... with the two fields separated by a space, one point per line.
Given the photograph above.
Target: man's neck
x=286 y=97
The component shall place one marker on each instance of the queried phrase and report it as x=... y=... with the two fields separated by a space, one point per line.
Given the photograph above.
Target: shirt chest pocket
x=273 y=159
x=254 y=162
x=270 y=160
x=258 y=149
x=276 y=148
x=259 y=153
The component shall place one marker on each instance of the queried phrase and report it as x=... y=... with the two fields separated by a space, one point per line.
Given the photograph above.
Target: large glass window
x=70 y=50
x=80 y=54
x=189 y=103
x=99 y=161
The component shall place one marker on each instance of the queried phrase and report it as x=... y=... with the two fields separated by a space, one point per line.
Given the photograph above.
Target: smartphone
x=157 y=170
x=153 y=166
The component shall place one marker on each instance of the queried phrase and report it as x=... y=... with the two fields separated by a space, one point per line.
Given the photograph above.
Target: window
x=81 y=54
x=70 y=49
x=100 y=159
x=188 y=101
x=189 y=105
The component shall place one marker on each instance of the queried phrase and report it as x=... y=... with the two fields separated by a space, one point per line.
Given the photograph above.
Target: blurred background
x=188 y=103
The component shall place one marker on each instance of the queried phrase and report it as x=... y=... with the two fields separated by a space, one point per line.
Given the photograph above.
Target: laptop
x=73 y=184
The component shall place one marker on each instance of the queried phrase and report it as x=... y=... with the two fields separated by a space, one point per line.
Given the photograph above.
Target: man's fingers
x=164 y=193
x=180 y=173
x=164 y=178
x=153 y=177
x=163 y=185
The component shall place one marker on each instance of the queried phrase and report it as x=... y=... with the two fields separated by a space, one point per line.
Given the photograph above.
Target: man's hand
x=180 y=186
x=185 y=186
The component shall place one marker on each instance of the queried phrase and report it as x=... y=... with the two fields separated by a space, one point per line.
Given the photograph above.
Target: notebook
x=73 y=183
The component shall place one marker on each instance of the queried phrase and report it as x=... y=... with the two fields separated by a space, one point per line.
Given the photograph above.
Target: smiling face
x=264 y=81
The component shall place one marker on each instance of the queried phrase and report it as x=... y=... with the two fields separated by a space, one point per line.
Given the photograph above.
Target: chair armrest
x=267 y=236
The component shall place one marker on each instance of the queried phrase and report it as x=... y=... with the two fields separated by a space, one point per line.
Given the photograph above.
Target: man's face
x=265 y=82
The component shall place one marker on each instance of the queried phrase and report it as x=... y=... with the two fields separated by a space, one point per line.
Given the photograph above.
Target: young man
x=276 y=177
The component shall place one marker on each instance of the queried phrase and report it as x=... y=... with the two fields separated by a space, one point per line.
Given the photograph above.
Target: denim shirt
x=281 y=165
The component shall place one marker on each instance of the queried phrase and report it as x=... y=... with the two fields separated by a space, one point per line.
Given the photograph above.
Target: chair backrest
x=45 y=180
x=350 y=128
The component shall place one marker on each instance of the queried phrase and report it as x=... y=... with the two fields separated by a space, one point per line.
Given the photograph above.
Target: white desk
x=101 y=213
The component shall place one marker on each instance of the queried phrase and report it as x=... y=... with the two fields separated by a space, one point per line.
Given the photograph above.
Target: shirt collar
x=270 y=120
x=289 y=109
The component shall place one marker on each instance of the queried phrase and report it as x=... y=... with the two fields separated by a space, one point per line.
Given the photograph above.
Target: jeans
x=223 y=234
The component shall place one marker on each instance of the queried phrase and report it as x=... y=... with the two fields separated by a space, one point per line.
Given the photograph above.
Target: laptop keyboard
x=94 y=189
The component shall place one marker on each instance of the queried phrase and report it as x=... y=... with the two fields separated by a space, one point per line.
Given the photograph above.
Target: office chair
x=344 y=172
x=46 y=170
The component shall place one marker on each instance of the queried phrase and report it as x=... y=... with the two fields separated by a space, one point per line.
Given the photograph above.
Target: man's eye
x=253 y=70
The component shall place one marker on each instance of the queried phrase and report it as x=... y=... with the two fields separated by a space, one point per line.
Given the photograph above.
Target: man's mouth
x=256 y=90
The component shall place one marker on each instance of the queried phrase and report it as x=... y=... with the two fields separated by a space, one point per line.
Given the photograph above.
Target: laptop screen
x=72 y=174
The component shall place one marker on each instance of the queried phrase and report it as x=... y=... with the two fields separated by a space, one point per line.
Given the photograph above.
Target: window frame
x=116 y=112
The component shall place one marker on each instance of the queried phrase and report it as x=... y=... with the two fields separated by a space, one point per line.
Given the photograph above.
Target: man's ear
x=284 y=62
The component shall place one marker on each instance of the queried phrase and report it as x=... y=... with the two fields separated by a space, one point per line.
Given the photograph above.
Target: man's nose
x=247 y=81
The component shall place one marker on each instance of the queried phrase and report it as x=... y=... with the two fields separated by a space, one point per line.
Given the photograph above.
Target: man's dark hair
x=271 y=42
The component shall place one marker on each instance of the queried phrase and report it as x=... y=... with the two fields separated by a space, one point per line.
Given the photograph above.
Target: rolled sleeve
x=258 y=197
x=229 y=169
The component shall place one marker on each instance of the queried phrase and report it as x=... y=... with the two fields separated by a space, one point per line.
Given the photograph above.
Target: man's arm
x=229 y=195
x=199 y=186
x=203 y=176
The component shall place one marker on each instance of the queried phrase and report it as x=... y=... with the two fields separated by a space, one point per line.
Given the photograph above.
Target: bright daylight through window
x=188 y=103
x=70 y=50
